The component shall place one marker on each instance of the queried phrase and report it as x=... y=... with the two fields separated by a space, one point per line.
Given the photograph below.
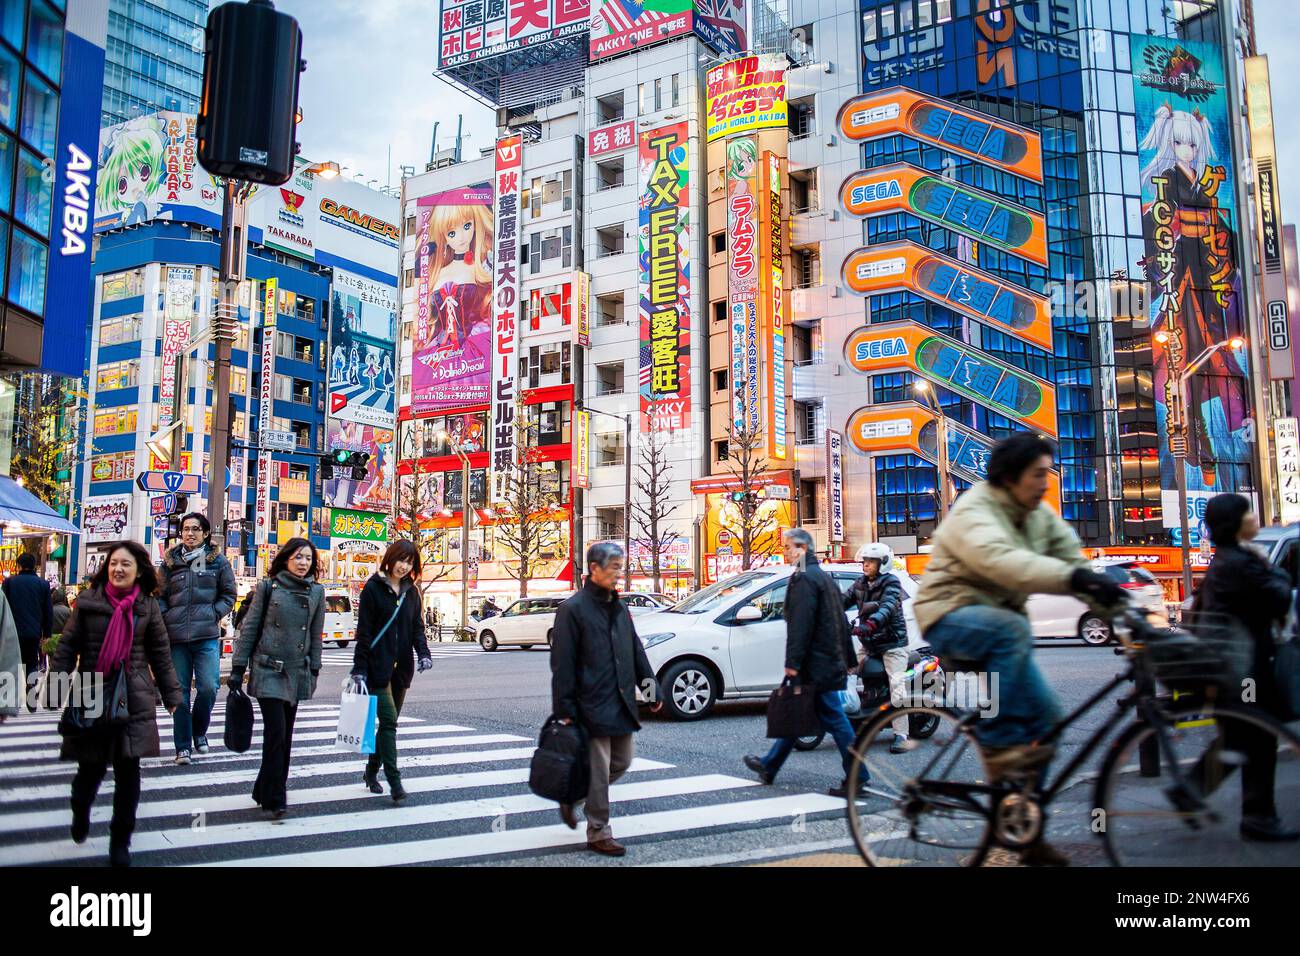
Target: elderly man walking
x=597 y=664
x=817 y=651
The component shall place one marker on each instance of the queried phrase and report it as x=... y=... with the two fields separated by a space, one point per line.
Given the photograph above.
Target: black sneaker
x=184 y=758
x=80 y=826
x=841 y=789
x=756 y=764
x=201 y=744
x=119 y=855
x=398 y=791
x=1267 y=830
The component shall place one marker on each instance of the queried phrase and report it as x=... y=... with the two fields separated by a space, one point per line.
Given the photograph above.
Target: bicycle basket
x=1215 y=651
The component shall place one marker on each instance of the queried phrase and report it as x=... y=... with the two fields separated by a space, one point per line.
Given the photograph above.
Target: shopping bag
x=239 y=721
x=358 y=715
x=849 y=698
x=792 y=711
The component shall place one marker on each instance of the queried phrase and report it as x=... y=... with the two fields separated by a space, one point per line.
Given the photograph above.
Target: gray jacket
x=11 y=664
x=283 y=663
x=195 y=599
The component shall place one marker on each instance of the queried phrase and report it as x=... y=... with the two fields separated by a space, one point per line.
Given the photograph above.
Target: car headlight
x=650 y=640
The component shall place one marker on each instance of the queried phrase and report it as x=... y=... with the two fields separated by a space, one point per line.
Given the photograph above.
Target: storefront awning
x=18 y=506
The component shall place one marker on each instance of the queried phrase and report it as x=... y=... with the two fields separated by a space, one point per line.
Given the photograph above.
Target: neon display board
x=957 y=367
x=952 y=284
x=973 y=212
x=996 y=142
x=909 y=426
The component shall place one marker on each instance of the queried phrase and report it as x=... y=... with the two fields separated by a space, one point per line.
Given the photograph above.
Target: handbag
x=1286 y=672
x=79 y=720
x=560 y=768
x=238 y=736
x=792 y=711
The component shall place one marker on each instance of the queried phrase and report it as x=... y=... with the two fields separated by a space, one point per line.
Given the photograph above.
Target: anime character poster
x=149 y=169
x=1188 y=224
x=374 y=492
x=363 y=330
x=453 y=329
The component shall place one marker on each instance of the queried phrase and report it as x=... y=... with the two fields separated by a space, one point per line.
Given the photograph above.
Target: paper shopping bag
x=358 y=714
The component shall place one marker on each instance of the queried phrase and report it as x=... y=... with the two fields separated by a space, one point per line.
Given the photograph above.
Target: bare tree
x=746 y=463
x=526 y=532
x=416 y=502
x=40 y=447
x=651 y=505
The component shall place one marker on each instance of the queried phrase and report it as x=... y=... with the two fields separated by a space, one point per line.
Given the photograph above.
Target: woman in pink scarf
x=116 y=624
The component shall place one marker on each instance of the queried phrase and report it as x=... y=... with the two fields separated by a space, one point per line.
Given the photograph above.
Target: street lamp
x=326 y=170
x=466 y=510
x=931 y=401
x=627 y=489
x=1178 y=441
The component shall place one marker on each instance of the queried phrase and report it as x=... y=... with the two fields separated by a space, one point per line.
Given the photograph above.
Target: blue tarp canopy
x=18 y=506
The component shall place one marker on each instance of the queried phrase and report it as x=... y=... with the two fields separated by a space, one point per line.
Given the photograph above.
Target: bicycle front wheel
x=925 y=806
x=1174 y=802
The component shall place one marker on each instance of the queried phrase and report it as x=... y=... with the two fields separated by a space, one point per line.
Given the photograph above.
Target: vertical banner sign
x=773 y=298
x=665 y=282
x=1287 y=449
x=1268 y=206
x=742 y=277
x=505 y=310
x=264 y=411
x=1185 y=154
x=835 y=486
x=178 y=305
x=581 y=449
x=582 y=292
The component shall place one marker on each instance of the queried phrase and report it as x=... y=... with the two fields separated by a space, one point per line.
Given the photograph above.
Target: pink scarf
x=121 y=629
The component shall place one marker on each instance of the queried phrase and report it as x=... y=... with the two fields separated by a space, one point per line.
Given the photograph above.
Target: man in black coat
x=597 y=666
x=817 y=653
x=32 y=604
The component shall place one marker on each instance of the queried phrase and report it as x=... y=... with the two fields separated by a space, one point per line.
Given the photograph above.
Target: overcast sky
x=369 y=85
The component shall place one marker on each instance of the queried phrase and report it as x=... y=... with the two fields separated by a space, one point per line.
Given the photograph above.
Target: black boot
x=397 y=790
x=80 y=823
x=371 y=779
x=118 y=854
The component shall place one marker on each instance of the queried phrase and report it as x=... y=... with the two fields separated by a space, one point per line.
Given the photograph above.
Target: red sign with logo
x=611 y=139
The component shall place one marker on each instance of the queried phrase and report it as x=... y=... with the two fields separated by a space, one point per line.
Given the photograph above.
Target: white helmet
x=877 y=552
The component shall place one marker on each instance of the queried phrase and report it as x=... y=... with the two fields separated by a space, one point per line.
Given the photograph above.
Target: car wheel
x=922 y=726
x=809 y=743
x=690 y=690
x=342 y=643
x=1094 y=631
x=488 y=641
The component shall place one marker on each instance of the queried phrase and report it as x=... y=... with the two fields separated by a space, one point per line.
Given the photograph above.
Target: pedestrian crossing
x=469 y=801
x=332 y=656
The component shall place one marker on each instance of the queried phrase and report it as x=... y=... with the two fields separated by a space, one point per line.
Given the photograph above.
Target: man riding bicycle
x=998 y=545
x=881 y=628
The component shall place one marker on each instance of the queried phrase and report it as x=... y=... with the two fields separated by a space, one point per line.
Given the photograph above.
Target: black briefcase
x=239 y=721
x=792 y=711
x=561 y=768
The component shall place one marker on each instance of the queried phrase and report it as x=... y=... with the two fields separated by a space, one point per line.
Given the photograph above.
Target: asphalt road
x=468 y=729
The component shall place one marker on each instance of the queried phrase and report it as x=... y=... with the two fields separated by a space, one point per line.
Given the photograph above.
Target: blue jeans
x=200 y=662
x=1003 y=642
x=830 y=711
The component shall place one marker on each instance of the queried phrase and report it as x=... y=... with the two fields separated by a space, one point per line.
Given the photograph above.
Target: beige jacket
x=12 y=685
x=992 y=550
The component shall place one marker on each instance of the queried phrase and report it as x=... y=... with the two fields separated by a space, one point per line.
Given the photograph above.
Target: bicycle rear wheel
x=1148 y=820
x=901 y=817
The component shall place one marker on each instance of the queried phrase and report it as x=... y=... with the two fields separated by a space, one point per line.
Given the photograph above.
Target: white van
x=340 y=619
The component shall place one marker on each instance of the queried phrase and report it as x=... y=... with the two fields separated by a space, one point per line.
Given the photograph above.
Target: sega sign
x=873 y=349
x=871 y=192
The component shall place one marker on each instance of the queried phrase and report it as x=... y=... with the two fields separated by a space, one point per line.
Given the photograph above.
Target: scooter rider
x=881 y=627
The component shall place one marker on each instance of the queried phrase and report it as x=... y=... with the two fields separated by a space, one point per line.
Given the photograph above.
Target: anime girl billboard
x=148 y=169
x=1191 y=262
x=453 y=330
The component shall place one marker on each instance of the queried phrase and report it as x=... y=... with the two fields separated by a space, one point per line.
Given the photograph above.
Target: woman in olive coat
x=279 y=645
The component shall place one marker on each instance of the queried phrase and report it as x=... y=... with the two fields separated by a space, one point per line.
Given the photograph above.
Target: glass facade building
x=1062 y=68
x=155 y=57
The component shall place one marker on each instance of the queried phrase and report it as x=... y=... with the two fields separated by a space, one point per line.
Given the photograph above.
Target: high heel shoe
x=371 y=779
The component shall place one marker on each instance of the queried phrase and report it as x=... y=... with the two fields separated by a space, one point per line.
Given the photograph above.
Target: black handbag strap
x=261 y=620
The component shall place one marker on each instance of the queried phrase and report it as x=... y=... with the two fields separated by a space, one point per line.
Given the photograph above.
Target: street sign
x=162 y=505
x=175 y=482
x=278 y=441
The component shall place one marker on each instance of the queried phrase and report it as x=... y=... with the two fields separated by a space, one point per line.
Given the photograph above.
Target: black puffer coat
x=597 y=662
x=195 y=599
x=150 y=660
x=1242 y=584
x=392 y=661
x=817 y=641
x=886 y=593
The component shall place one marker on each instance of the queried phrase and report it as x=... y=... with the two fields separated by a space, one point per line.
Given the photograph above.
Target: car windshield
x=716 y=594
x=338 y=605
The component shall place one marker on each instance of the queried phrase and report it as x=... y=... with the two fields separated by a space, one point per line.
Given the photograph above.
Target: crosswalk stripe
x=548 y=837
x=297 y=771
x=32 y=723
x=388 y=818
x=215 y=730
x=102 y=812
x=34 y=756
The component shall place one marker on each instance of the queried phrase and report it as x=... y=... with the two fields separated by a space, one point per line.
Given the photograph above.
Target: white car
x=727 y=641
x=1063 y=615
x=641 y=602
x=525 y=623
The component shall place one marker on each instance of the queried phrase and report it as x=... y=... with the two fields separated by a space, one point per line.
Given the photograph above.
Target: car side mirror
x=748 y=613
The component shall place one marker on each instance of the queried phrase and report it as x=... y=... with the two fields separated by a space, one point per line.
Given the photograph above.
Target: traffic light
x=340 y=459
x=249 y=105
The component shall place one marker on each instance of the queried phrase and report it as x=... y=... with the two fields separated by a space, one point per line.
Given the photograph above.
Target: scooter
x=924 y=672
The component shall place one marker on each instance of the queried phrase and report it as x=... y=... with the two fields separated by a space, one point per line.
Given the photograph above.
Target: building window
x=119 y=330
x=609 y=523
x=720 y=451
x=609 y=241
x=809 y=502
x=609 y=175
x=806 y=420
x=609 y=309
x=123 y=285
x=408 y=278
x=410 y=225
x=803 y=191
x=609 y=108
x=117 y=375
x=803 y=117
x=609 y=379
x=720 y=380
x=301 y=434
x=719 y=243
x=609 y=448
x=720 y=311
x=27 y=266
x=805 y=268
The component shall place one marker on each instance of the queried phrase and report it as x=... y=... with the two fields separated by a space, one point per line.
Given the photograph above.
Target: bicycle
x=1157 y=798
